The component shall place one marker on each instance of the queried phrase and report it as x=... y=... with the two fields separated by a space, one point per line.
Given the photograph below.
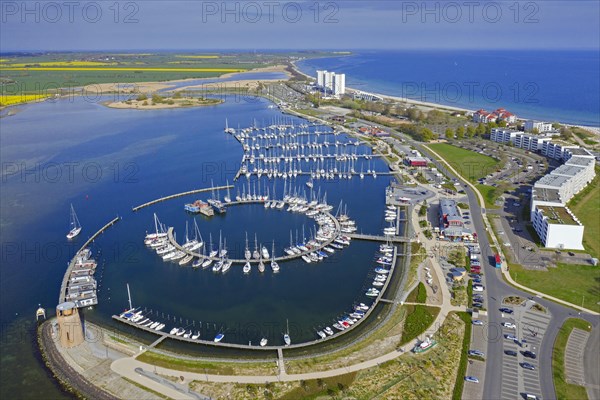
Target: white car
x=509 y=325
x=477 y=288
x=477 y=322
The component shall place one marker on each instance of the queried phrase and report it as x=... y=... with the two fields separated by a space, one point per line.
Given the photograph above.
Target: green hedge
x=462 y=366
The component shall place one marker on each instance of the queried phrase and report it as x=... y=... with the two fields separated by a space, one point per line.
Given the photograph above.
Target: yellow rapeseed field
x=11 y=99
x=12 y=68
x=61 y=64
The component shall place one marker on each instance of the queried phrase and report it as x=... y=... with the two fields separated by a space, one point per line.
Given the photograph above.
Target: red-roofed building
x=500 y=114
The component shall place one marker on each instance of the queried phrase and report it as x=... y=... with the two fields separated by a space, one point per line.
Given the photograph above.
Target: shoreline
x=589 y=128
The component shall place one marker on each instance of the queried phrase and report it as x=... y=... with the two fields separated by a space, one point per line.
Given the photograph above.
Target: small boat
x=226 y=266
x=159 y=327
x=261 y=266
x=286 y=337
x=196 y=335
x=173 y=331
x=247 y=267
x=180 y=332
x=425 y=345
x=372 y=292
x=265 y=253
x=74 y=224
x=187 y=334
x=206 y=263
x=338 y=327
x=321 y=334
x=219 y=337
x=186 y=259
x=263 y=342
x=328 y=331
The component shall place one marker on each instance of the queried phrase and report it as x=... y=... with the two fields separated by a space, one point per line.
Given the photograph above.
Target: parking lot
x=530 y=329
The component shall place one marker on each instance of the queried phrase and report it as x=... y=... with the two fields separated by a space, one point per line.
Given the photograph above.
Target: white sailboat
x=74 y=225
x=286 y=336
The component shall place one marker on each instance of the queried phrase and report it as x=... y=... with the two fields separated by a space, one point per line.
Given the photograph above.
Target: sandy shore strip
x=147 y=104
x=150 y=87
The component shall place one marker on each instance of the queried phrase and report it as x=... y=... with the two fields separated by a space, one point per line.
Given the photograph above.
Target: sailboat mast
x=129 y=297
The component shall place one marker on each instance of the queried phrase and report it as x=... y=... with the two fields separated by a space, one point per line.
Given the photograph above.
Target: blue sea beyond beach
x=557 y=85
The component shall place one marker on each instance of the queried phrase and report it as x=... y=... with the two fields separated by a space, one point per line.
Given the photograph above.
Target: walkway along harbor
x=173 y=196
x=63 y=287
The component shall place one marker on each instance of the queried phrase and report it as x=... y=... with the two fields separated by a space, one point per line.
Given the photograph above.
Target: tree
x=460 y=132
x=427 y=135
x=449 y=133
x=480 y=129
x=470 y=131
x=502 y=124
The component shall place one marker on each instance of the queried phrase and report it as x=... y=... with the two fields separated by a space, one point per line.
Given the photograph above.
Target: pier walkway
x=63 y=287
x=134 y=209
x=377 y=238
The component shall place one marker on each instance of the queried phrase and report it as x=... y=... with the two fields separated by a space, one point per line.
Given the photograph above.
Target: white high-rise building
x=339 y=84
x=331 y=83
x=321 y=78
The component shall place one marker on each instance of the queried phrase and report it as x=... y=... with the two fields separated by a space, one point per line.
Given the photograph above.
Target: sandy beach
x=149 y=105
x=151 y=87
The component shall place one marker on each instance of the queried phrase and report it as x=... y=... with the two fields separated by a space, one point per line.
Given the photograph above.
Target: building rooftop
x=542 y=194
x=449 y=208
x=556 y=181
x=580 y=151
x=557 y=215
x=567 y=170
x=563 y=144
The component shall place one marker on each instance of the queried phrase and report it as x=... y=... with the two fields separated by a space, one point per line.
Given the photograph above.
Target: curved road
x=497 y=289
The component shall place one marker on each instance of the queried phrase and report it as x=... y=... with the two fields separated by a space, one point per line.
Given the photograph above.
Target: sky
x=64 y=25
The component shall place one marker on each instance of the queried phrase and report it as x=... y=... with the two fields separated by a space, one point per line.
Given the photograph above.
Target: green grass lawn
x=469 y=164
x=572 y=283
x=489 y=193
x=462 y=367
x=563 y=389
x=586 y=208
x=418 y=319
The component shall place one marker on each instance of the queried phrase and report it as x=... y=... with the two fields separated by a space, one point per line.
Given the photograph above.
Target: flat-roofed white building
x=501 y=135
x=531 y=124
x=558 y=227
x=331 y=83
x=557 y=149
x=530 y=142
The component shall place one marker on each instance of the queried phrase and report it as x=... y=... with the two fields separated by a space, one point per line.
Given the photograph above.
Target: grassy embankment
x=563 y=389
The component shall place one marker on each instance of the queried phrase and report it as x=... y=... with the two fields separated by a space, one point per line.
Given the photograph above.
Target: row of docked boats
x=384 y=261
x=136 y=316
x=81 y=284
x=278 y=151
x=391 y=216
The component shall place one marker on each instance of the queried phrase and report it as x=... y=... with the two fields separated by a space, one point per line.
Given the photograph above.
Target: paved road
x=496 y=290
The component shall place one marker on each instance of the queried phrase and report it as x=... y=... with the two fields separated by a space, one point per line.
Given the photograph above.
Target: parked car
x=510 y=337
x=526 y=365
x=509 y=325
x=477 y=322
x=506 y=310
x=471 y=379
x=477 y=305
x=571 y=253
x=510 y=353
x=476 y=353
x=529 y=354
x=478 y=288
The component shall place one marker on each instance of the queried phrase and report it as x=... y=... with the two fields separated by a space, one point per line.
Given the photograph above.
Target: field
x=427 y=376
x=46 y=73
x=489 y=193
x=9 y=100
x=418 y=319
x=563 y=389
x=572 y=283
x=469 y=164
x=586 y=206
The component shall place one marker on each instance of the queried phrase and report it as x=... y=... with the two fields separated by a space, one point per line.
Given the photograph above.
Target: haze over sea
x=559 y=85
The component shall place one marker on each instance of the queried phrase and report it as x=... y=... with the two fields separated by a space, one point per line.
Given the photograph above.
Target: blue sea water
x=104 y=161
x=547 y=85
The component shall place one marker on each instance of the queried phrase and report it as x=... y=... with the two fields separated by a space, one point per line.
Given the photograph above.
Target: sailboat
x=261 y=266
x=247 y=267
x=247 y=253
x=256 y=253
x=75 y=225
x=274 y=265
x=286 y=336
